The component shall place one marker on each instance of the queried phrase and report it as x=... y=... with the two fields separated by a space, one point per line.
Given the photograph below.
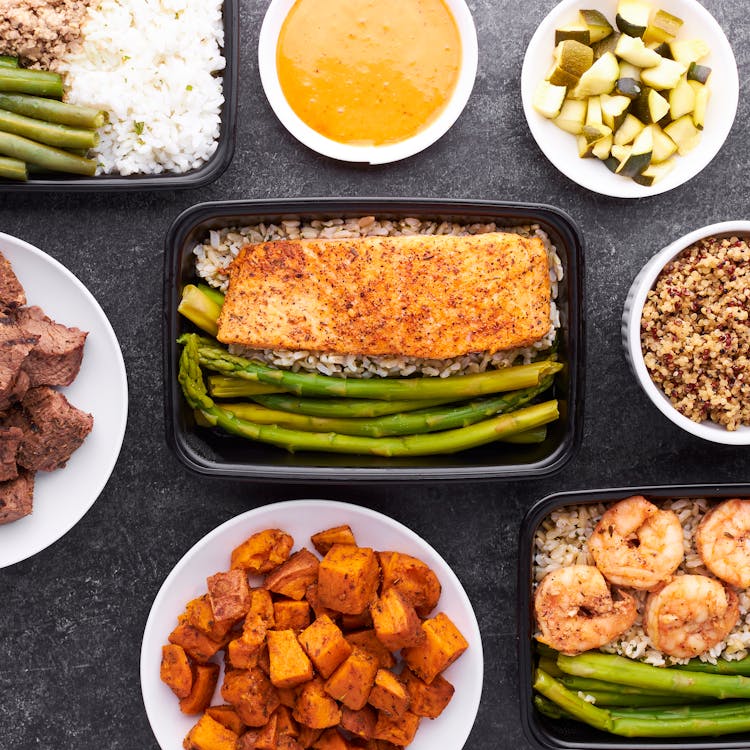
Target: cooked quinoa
x=217 y=251
x=695 y=332
x=562 y=539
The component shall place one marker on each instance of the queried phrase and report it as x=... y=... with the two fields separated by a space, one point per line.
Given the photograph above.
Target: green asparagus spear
x=549 y=709
x=13 y=169
x=590 y=684
x=6 y=61
x=211 y=293
x=722 y=666
x=25 y=81
x=673 y=713
x=200 y=309
x=51 y=110
x=530 y=437
x=223 y=386
x=55 y=159
x=617 y=700
x=458 y=387
x=62 y=136
x=345 y=408
x=450 y=441
x=624 y=671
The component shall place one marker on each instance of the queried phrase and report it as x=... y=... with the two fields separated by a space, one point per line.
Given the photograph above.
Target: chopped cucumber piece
x=613 y=110
x=633 y=50
x=577 y=33
x=665 y=75
x=681 y=99
x=558 y=77
x=602 y=148
x=630 y=129
x=573 y=57
x=620 y=153
x=629 y=71
x=572 y=116
x=654 y=173
x=663 y=28
x=650 y=106
x=597 y=24
x=608 y=44
x=628 y=87
x=690 y=50
x=594 y=112
x=698 y=73
x=664 y=146
x=632 y=17
x=702 y=94
x=548 y=99
x=640 y=155
x=600 y=78
x=662 y=50
x=684 y=133
x=612 y=162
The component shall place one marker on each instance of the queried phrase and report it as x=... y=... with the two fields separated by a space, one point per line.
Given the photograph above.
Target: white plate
x=301 y=518
x=560 y=147
x=269 y=34
x=62 y=497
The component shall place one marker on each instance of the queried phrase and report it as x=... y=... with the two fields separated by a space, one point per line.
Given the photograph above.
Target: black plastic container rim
x=209 y=171
x=186 y=222
x=539 y=737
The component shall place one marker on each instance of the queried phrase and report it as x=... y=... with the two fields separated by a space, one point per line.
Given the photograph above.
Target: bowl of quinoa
x=686 y=332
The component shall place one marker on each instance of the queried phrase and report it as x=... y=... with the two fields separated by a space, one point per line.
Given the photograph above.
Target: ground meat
x=695 y=332
x=41 y=32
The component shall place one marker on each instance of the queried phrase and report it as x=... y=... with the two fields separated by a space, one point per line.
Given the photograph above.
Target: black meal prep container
x=546 y=733
x=209 y=171
x=213 y=453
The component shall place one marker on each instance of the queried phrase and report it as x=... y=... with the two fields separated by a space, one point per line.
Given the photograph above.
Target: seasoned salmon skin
x=425 y=296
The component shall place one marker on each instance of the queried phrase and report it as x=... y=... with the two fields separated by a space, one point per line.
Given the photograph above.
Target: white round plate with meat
x=61 y=497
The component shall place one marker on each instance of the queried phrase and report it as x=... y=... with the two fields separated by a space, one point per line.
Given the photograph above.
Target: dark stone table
x=72 y=617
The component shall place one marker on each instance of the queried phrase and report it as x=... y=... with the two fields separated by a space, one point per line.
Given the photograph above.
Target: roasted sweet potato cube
x=397 y=625
x=285 y=723
x=413 y=578
x=324 y=540
x=368 y=640
x=443 y=644
x=200 y=615
x=263 y=552
x=388 y=694
x=261 y=604
x=331 y=739
x=264 y=661
x=197 y=645
x=348 y=578
x=204 y=684
x=353 y=679
x=209 y=734
x=399 y=730
x=291 y=615
x=260 y=739
x=325 y=644
x=307 y=736
x=176 y=670
x=251 y=694
x=287 y=742
x=227 y=716
x=289 y=663
x=294 y=576
x=243 y=652
x=361 y=723
x=315 y=708
x=229 y=594
x=311 y=595
x=427 y=700
x=362 y=621
x=287 y=696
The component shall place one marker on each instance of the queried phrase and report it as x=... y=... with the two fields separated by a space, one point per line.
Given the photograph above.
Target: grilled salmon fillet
x=433 y=297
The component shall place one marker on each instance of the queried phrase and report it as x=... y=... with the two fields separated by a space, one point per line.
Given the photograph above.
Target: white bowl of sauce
x=370 y=81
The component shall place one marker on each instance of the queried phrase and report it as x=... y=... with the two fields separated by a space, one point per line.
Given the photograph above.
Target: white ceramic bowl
x=631 y=333
x=560 y=147
x=301 y=518
x=269 y=34
x=62 y=497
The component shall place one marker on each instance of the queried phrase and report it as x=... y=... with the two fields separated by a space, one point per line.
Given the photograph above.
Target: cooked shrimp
x=576 y=610
x=690 y=615
x=723 y=542
x=637 y=545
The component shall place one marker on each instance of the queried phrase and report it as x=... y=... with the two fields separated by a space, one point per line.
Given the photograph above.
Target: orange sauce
x=368 y=72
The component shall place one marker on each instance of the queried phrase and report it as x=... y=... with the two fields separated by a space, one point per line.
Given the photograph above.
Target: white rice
x=216 y=252
x=562 y=540
x=152 y=65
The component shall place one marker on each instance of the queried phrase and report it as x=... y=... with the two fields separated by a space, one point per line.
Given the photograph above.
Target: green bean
x=13 y=169
x=62 y=136
x=18 y=147
x=24 y=81
x=51 y=110
x=6 y=61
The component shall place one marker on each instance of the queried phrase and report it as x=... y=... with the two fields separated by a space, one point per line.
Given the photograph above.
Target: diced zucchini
x=628 y=87
x=702 y=95
x=548 y=99
x=597 y=24
x=602 y=148
x=629 y=71
x=689 y=50
x=613 y=110
x=654 y=173
x=620 y=153
x=650 y=106
x=698 y=73
x=684 y=133
x=640 y=155
x=573 y=57
x=662 y=49
x=632 y=17
x=559 y=77
x=681 y=99
x=577 y=33
x=633 y=50
x=585 y=147
x=612 y=162
x=608 y=44
x=664 y=146
x=572 y=116
x=663 y=28
x=594 y=112
x=630 y=129
x=599 y=78
x=665 y=75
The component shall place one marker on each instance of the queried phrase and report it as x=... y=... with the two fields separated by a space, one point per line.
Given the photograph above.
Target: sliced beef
x=56 y=358
x=53 y=428
x=10 y=439
x=11 y=291
x=16 y=497
x=15 y=346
